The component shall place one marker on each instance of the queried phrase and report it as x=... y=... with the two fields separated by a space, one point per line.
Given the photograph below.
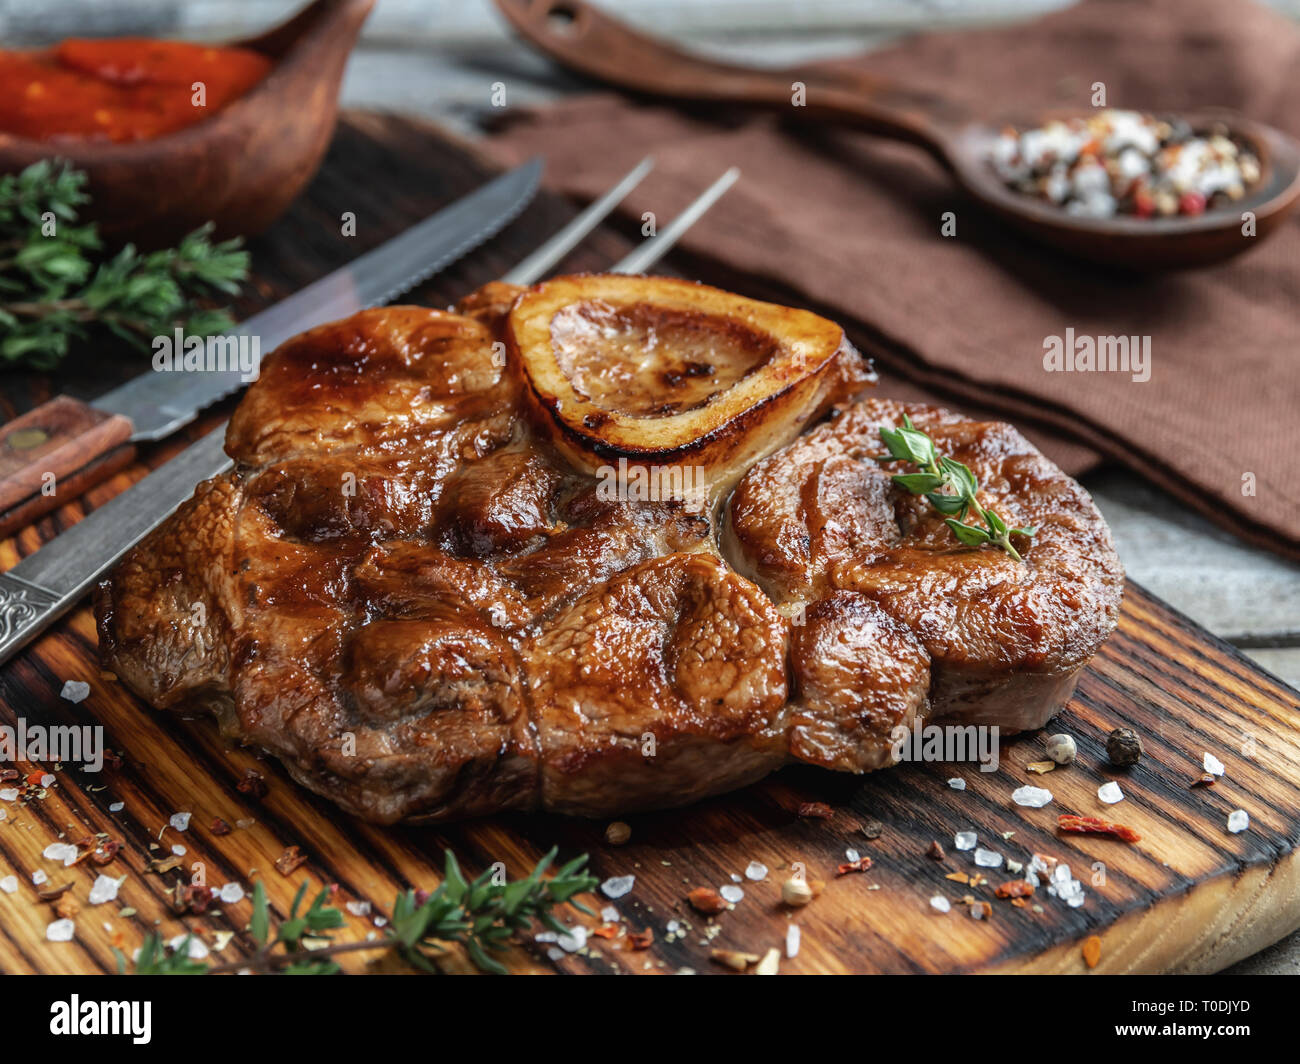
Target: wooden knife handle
x=52 y=454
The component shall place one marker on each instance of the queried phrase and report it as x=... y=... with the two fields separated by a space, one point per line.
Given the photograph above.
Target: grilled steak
x=432 y=589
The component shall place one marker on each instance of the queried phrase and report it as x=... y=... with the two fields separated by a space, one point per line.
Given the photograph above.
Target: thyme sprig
x=949 y=486
x=481 y=915
x=55 y=288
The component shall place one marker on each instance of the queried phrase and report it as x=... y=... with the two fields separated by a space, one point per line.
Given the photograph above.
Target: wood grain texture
x=1189 y=897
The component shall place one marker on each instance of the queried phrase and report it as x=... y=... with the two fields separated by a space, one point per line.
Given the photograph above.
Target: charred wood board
x=1190 y=896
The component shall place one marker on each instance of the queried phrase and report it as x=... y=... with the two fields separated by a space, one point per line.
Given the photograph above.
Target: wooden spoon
x=582 y=38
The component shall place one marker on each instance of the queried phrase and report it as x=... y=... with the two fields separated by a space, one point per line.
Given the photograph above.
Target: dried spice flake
x=815 y=811
x=849 y=867
x=1015 y=888
x=1094 y=825
x=1091 y=951
x=641 y=939
x=289 y=861
x=706 y=900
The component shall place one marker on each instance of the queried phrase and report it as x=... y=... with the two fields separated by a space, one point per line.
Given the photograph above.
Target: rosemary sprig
x=54 y=288
x=949 y=486
x=482 y=915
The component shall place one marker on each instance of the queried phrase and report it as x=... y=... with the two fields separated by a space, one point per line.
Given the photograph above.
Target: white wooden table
x=439 y=58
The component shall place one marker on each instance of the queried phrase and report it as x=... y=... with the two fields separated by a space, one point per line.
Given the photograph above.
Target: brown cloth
x=850 y=225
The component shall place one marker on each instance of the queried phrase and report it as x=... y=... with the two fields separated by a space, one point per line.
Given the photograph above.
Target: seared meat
x=417 y=589
x=821 y=520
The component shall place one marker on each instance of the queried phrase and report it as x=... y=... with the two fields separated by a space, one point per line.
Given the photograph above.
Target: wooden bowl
x=240 y=168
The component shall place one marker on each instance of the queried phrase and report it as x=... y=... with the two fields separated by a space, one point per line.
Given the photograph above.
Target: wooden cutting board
x=1189 y=897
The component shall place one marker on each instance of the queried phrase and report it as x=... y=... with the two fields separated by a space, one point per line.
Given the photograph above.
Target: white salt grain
x=1212 y=764
x=756 y=871
x=47 y=780
x=1238 y=821
x=940 y=903
x=60 y=851
x=230 y=893
x=1031 y=797
x=8 y=794
x=117 y=807
x=196 y=950
x=964 y=840
x=9 y=884
x=988 y=858
x=732 y=893
x=75 y=690
x=60 y=931
x=179 y=850
x=792 y=940
x=180 y=821
x=362 y=908
x=617 y=886
x=1110 y=793
x=957 y=783
x=39 y=877
x=852 y=855
x=610 y=915
x=575 y=940
x=103 y=889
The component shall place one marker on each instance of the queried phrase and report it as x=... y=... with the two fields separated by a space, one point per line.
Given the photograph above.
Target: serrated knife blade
x=157 y=403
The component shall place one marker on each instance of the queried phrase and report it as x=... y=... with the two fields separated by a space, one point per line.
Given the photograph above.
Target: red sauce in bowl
x=121 y=89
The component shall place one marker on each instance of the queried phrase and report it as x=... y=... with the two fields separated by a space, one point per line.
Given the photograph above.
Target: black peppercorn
x=1123 y=747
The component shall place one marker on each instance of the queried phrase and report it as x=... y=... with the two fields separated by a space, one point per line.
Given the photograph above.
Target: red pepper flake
x=641 y=939
x=605 y=931
x=1094 y=825
x=935 y=851
x=1205 y=779
x=253 y=784
x=860 y=865
x=186 y=897
x=816 y=811
x=105 y=851
x=706 y=900
x=1015 y=888
x=1020 y=903
x=1091 y=951
x=219 y=826
x=289 y=861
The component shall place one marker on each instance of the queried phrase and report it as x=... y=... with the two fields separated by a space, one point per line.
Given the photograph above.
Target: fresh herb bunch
x=481 y=915
x=949 y=486
x=52 y=290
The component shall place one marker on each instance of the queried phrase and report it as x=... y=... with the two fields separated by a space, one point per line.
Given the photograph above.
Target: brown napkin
x=850 y=225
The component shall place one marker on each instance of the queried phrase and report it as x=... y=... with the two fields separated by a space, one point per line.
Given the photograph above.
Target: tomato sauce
x=122 y=89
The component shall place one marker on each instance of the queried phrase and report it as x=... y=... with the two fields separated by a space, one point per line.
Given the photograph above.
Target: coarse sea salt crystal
x=9 y=884
x=852 y=855
x=179 y=850
x=617 y=886
x=103 y=889
x=8 y=794
x=194 y=947
x=47 y=780
x=574 y=940
x=610 y=915
x=1238 y=821
x=731 y=893
x=1110 y=793
x=1031 y=797
x=75 y=690
x=362 y=908
x=988 y=858
x=60 y=931
x=60 y=851
x=231 y=893
x=180 y=821
x=39 y=877
x=792 y=940
x=964 y=840
x=1212 y=764
x=117 y=807
x=940 y=903
x=957 y=783
x=756 y=871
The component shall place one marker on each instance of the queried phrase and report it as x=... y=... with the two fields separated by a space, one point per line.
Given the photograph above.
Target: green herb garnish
x=482 y=916
x=948 y=486
x=53 y=290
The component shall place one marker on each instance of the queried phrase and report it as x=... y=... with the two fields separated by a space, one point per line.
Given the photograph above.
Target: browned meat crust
x=426 y=609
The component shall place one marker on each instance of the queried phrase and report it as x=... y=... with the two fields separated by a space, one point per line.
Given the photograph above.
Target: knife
x=64 y=447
